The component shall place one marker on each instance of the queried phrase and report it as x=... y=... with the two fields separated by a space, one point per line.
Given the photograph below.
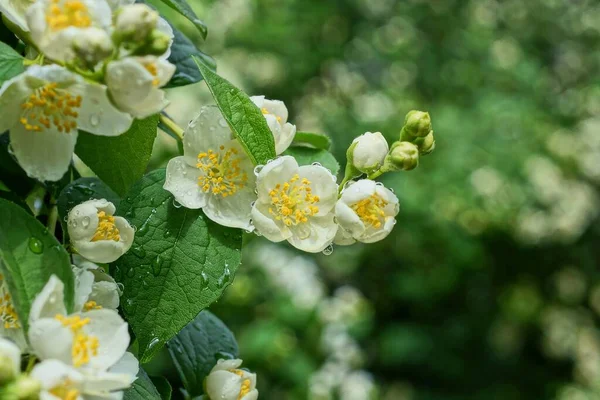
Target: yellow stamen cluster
x=106 y=229
x=65 y=391
x=222 y=173
x=64 y=14
x=49 y=106
x=84 y=346
x=8 y=314
x=293 y=201
x=370 y=210
x=153 y=69
x=246 y=384
x=91 y=305
x=265 y=112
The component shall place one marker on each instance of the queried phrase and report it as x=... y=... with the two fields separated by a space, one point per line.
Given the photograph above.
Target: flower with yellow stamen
x=276 y=114
x=295 y=203
x=94 y=288
x=10 y=325
x=15 y=10
x=366 y=212
x=214 y=173
x=227 y=382
x=96 y=233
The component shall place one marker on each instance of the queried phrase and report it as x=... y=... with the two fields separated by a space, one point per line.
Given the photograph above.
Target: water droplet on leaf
x=328 y=250
x=35 y=245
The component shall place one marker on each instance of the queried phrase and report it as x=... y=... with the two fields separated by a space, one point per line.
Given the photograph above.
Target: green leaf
x=142 y=388
x=163 y=387
x=316 y=140
x=182 y=51
x=197 y=347
x=179 y=264
x=307 y=155
x=119 y=161
x=31 y=255
x=184 y=9
x=11 y=63
x=245 y=119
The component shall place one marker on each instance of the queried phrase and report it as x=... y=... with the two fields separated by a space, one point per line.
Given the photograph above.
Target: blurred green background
x=489 y=286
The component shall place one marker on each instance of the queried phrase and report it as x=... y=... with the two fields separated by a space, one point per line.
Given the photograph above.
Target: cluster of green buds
x=13 y=384
x=370 y=154
x=137 y=30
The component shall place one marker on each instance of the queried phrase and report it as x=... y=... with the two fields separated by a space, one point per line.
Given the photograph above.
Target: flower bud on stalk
x=426 y=145
x=135 y=22
x=402 y=156
x=92 y=46
x=417 y=124
x=367 y=152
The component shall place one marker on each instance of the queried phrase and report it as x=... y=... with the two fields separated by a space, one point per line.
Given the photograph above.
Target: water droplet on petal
x=176 y=204
x=35 y=245
x=223 y=123
x=85 y=222
x=94 y=119
x=257 y=169
x=120 y=288
x=328 y=250
x=316 y=164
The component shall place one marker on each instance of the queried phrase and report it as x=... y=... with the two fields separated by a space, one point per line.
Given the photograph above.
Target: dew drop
x=153 y=343
x=120 y=288
x=379 y=184
x=224 y=279
x=85 y=222
x=157 y=265
x=223 y=123
x=204 y=278
x=167 y=233
x=94 y=119
x=257 y=169
x=176 y=204
x=316 y=164
x=138 y=251
x=328 y=250
x=35 y=245
x=130 y=272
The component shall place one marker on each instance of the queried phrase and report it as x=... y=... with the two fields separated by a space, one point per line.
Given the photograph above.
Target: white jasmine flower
x=10 y=325
x=135 y=21
x=94 y=288
x=134 y=84
x=276 y=114
x=10 y=360
x=227 y=382
x=96 y=233
x=296 y=204
x=369 y=151
x=92 y=341
x=214 y=173
x=55 y=24
x=366 y=211
x=43 y=108
x=15 y=10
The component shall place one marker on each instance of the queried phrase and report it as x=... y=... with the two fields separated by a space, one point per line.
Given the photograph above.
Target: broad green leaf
x=182 y=51
x=184 y=9
x=197 y=347
x=316 y=140
x=119 y=161
x=30 y=255
x=245 y=119
x=179 y=264
x=12 y=174
x=11 y=63
x=142 y=388
x=163 y=387
x=307 y=155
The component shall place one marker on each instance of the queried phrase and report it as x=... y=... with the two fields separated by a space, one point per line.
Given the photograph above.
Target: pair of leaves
x=30 y=255
x=179 y=264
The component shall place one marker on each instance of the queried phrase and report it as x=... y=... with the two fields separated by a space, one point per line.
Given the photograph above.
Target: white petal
x=232 y=211
x=101 y=251
x=252 y=395
x=49 y=302
x=343 y=237
x=276 y=172
x=17 y=336
x=358 y=191
x=14 y=11
x=265 y=225
x=393 y=206
x=258 y=100
x=83 y=286
x=128 y=365
x=12 y=93
x=126 y=232
x=322 y=231
x=105 y=294
x=288 y=132
x=208 y=131
x=348 y=219
x=104 y=382
x=224 y=365
x=112 y=334
x=49 y=339
x=52 y=373
x=154 y=103
x=128 y=81
x=97 y=114
x=182 y=182
x=223 y=385
x=114 y=4
x=372 y=236
x=323 y=185
x=277 y=108
x=44 y=155
x=83 y=221
x=11 y=351
x=164 y=27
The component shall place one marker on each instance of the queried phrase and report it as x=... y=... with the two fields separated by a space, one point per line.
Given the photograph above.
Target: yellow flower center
x=84 y=346
x=222 y=173
x=64 y=14
x=8 y=314
x=91 y=305
x=153 y=69
x=49 y=106
x=246 y=384
x=65 y=391
x=370 y=210
x=293 y=202
x=265 y=112
x=106 y=229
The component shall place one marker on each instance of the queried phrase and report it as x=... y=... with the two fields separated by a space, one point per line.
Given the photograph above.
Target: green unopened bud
x=158 y=43
x=24 y=388
x=7 y=369
x=426 y=145
x=134 y=22
x=402 y=156
x=416 y=124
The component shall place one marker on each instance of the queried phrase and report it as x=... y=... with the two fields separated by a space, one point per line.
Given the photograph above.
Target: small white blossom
x=214 y=173
x=94 y=288
x=134 y=84
x=10 y=360
x=296 y=204
x=15 y=10
x=96 y=233
x=135 y=21
x=93 y=341
x=276 y=114
x=366 y=212
x=227 y=382
x=92 y=46
x=55 y=24
x=369 y=151
x=44 y=107
x=10 y=325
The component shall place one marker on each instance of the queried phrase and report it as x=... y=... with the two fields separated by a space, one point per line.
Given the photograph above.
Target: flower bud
x=10 y=359
x=367 y=152
x=416 y=124
x=135 y=22
x=227 y=382
x=402 y=156
x=157 y=43
x=92 y=45
x=426 y=145
x=24 y=388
